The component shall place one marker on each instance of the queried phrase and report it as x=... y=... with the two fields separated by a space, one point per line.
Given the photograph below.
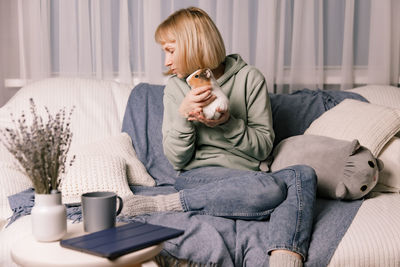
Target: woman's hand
x=199 y=116
x=195 y=100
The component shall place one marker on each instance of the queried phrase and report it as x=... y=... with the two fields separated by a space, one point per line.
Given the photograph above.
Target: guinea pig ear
x=380 y=164
x=340 y=191
x=355 y=145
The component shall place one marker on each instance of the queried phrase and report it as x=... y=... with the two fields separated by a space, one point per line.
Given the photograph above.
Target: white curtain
x=295 y=43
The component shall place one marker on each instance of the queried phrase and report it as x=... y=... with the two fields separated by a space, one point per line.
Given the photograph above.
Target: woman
x=219 y=160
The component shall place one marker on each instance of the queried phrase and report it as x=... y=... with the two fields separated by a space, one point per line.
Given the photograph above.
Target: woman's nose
x=168 y=60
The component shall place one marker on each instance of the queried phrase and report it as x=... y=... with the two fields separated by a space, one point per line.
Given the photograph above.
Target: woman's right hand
x=196 y=99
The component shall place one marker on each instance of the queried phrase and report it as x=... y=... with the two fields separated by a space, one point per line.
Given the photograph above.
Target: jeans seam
x=183 y=201
x=233 y=215
x=300 y=209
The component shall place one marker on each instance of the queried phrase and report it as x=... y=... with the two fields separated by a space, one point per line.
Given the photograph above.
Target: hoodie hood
x=233 y=64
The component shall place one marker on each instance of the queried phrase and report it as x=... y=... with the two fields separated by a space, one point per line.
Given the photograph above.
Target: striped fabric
x=373 y=238
x=372 y=125
x=384 y=95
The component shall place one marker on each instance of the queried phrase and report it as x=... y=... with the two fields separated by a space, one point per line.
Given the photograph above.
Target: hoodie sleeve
x=178 y=133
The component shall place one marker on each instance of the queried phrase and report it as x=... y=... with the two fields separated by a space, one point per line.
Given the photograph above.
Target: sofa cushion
x=389 y=178
x=99 y=105
x=95 y=173
x=373 y=125
x=118 y=146
x=384 y=95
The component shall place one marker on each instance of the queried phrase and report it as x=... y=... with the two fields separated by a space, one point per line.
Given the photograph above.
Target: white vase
x=49 y=218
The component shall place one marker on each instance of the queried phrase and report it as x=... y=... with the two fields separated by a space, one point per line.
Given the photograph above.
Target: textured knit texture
x=95 y=173
x=390 y=175
x=282 y=259
x=372 y=125
x=136 y=205
x=384 y=95
x=119 y=145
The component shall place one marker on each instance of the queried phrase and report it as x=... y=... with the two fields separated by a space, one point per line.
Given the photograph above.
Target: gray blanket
x=212 y=240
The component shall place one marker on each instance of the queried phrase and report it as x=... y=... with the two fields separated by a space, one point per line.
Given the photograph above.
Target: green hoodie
x=240 y=143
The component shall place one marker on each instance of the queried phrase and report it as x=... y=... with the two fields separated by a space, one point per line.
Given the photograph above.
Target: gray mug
x=99 y=210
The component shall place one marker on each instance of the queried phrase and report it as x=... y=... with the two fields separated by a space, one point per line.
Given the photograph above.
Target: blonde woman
x=218 y=160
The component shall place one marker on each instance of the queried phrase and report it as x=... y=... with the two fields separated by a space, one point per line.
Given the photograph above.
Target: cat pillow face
x=345 y=170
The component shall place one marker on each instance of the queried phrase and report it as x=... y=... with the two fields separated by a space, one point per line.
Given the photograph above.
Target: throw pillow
x=293 y=113
x=119 y=145
x=384 y=95
x=345 y=170
x=99 y=105
x=389 y=177
x=373 y=125
x=94 y=173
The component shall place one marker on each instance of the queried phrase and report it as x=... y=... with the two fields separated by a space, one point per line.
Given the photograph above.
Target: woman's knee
x=306 y=173
x=269 y=192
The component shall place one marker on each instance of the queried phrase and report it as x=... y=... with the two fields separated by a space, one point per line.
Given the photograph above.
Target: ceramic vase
x=49 y=217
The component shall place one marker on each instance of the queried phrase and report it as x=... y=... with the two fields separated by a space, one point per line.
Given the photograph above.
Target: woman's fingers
x=201 y=95
x=202 y=89
x=212 y=123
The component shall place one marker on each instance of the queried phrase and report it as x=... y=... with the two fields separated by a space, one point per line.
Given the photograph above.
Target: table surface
x=29 y=252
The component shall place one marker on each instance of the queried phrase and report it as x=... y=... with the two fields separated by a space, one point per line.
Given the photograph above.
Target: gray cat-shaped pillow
x=345 y=170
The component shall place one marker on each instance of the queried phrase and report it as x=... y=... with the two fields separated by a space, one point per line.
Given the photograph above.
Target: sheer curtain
x=295 y=43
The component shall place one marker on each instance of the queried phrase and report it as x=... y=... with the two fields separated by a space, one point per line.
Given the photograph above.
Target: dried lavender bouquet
x=41 y=148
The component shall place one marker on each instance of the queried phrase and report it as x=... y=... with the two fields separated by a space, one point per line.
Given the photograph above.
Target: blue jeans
x=285 y=197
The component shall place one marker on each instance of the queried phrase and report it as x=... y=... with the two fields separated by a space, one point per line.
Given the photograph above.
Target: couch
x=372 y=238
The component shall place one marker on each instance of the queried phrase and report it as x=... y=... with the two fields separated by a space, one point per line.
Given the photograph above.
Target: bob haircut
x=198 y=41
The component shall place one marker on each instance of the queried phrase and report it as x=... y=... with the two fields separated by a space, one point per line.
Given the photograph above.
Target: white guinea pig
x=202 y=77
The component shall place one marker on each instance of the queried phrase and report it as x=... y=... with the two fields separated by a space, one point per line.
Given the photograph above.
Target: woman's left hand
x=199 y=116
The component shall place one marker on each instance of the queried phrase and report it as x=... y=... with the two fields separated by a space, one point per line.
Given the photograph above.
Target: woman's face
x=171 y=61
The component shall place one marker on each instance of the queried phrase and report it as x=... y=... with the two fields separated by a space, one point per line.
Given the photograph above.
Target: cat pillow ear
x=354 y=146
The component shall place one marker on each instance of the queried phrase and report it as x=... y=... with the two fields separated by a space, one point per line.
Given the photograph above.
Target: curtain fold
x=267 y=40
x=383 y=57
x=294 y=43
x=347 y=73
x=123 y=49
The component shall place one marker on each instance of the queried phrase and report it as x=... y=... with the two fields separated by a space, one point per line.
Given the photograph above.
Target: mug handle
x=120 y=205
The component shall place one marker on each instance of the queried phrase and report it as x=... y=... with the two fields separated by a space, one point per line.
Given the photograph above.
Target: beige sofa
x=373 y=238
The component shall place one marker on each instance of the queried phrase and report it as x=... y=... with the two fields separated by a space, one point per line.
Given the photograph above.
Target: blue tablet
x=114 y=242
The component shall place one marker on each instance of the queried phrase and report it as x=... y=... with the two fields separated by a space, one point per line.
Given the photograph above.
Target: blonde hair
x=198 y=41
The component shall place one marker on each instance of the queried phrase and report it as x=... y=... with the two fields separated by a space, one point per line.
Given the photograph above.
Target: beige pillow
x=373 y=125
x=119 y=145
x=99 y=105
x=389 y=177
x=384 y=95
x=95 y=173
